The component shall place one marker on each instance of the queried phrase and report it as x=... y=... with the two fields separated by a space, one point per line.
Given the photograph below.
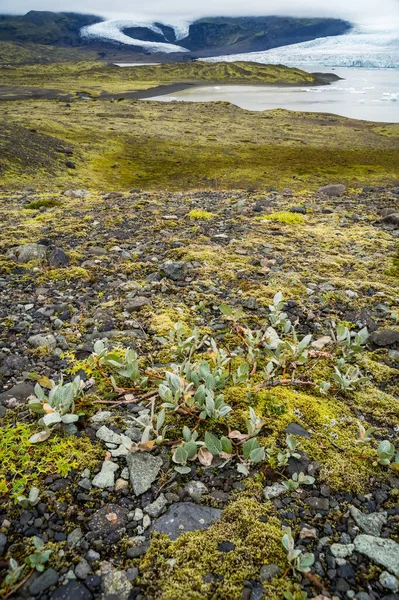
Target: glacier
x=363 y=46
x=112 y=31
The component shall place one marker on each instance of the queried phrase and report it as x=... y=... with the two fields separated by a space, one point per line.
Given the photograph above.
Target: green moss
x=66 y=274
x=193 y=555
x=200 y=214
x=24 y=465
x=285 y=217
x=46 y=202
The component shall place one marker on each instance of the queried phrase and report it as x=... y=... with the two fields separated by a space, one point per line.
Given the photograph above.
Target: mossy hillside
x=98 y=77
x=148 y=145
x=15 y=53
x=174 y=570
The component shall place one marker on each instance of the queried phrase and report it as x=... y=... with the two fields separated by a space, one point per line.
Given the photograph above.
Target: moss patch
x=176 y=569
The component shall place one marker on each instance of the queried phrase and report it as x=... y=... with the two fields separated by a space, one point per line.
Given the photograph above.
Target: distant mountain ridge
x=204 y=37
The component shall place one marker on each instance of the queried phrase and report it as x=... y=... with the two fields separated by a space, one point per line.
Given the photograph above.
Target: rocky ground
x=79 y=267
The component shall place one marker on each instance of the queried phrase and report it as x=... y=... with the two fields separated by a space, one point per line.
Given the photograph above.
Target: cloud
x=360 y=11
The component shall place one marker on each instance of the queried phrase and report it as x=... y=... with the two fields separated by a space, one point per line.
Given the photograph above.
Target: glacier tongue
x=113 y=31
x=361 y=47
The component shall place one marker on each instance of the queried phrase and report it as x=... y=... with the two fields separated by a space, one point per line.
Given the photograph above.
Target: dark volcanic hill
x=207 y=36
x=45 y=27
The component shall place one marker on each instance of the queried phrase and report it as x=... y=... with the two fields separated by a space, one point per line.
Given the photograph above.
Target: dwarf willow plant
x=36 y=560
x=125 y=364
x=299 y=561
x=57 y=408
x=195 y=387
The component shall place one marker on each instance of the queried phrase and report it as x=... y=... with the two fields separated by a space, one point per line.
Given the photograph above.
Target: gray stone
x=82 y=569
x=295 y=429
x=273 y=491
x=109 y=518
x=391 y=219
x=85 y=484
x=297 y=465
x=372 y=523
x=134 y=433
x=143 y=471
x=185 y=516
x=116 y=585
x=100 y=418
x=58 y=258
x=389 y=582
x=132 y=573
x=156 y=508
x=107 y=435
x=3 y=542
x=75 y=537
x=20 y=392
x=45 y=581
x=267 y=572
x=332 y=190
x=195 y=489
x=136 y=303
x=96 y=251
x=342 y=550
x=318 y=503
x=39 y=340
x=72 y=591
x=385 y=337
x=106 y=477
x=383 y=551
x=175 y=270
x=29 y=252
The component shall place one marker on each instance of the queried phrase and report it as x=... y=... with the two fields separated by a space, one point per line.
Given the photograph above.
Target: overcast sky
x=361 y=11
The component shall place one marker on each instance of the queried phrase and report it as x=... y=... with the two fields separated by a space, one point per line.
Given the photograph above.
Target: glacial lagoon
x=367 y=94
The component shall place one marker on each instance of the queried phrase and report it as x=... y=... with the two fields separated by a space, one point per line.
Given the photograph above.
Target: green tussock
x=200 y=214
x=285 y=217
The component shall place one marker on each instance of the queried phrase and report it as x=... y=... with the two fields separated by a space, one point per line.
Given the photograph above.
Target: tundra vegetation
x=241 y=344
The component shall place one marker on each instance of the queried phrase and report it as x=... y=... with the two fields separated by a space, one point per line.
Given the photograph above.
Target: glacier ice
x=113 y=31
x=363 y=46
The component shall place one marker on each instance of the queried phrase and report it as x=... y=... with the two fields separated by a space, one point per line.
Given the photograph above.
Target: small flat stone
x=273 y=491
x=185 y=516
x=371 y=523
x=137 y=303
x=383 y=551
x=106 y=477
x=385 y=337
x=318 y=503
x=143 y=471
x=72 y=591
x=332 y=190
x=295 y=429
x=46 y=580
x=116 y=585
x=195 y=489
x=226 y=547
x=155 y=508
x=39 y=340
x=342 y=550
x=267 y=572
x=109 y=518
x=107 y=435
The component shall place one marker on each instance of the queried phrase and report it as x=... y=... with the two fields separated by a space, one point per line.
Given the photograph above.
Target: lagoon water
x=367 y=94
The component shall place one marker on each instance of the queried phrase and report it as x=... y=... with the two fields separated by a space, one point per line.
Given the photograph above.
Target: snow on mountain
x=361 y=47
x=112 y=31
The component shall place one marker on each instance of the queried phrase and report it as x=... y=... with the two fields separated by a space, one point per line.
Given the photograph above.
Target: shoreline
x=12 y=92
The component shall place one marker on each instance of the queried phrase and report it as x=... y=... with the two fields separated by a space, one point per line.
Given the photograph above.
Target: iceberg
x=363 y=46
